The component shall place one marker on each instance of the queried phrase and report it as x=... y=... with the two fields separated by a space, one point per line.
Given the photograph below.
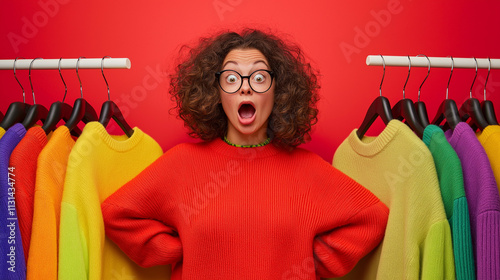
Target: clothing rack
x=441 y=62
x=66 y=63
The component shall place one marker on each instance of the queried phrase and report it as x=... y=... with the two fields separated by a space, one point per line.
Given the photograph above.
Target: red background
x=150 y=33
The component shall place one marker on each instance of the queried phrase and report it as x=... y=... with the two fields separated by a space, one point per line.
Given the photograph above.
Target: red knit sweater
x=24 y=159
x=216 y=211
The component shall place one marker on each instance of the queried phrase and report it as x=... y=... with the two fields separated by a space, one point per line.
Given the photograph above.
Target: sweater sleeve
x=353 y=223
x=134 y=218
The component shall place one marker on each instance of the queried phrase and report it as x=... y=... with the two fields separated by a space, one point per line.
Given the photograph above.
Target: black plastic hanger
x=471 y=108
x=110 y=110
x=487 y=105
x=17 y=110
x=420 y=105
x=404 y=110
x=82 y=110
x=448 y=109
x=36 y=112
x=59 y=111
x=380 y=107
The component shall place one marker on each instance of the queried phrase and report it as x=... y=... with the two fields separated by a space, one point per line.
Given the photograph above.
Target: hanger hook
x=408 y=77
x=451 y=73
x=29 y=76
x=78 y=63
x=24 y=95
x=60 y=74
x=470 y=92
x=383 y=63
x=486 y=81
x=428 y=72
x=102 y=71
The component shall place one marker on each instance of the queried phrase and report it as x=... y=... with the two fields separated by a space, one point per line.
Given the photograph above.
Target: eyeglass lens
x=231 y=81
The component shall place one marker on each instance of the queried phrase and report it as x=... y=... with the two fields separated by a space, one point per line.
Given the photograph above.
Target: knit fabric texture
x=490 y=140
x=451 y=183
x=216 y=211
x=12 y=262
x=398 y=168
x=483 y=199
x=50 y=174
x=24 y=161
x=98 y=165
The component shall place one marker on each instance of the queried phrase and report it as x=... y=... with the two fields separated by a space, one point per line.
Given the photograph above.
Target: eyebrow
x=234 y=62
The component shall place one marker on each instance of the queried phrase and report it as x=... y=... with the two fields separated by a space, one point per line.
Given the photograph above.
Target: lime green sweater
x=98 y=165
x=398 y=168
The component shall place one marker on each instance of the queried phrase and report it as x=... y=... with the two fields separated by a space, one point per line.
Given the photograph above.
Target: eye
x=259 y=78
x=231 y=78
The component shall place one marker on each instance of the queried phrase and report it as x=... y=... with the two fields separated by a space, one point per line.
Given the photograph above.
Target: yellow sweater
x=98 y=165
x=490 y=140
x=51 y=170
x=398 y=168
x=2 y=132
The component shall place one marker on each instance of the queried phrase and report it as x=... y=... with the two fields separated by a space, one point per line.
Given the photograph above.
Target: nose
x=245 y=86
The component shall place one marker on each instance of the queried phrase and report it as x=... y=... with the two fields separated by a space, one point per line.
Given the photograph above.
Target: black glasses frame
x=271 y=73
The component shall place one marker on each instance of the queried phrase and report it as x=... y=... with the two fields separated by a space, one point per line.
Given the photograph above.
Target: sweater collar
x=121 y=143
x=221 y=147
x=369 y=146
x=487 y=132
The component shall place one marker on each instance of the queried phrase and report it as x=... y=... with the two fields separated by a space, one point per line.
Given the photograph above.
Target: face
x=247 y=110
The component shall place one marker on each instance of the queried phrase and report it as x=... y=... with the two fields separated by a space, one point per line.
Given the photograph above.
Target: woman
x=245 y=203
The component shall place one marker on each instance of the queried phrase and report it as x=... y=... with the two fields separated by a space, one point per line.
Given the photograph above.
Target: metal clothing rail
x=442 y=62
x=66 y=63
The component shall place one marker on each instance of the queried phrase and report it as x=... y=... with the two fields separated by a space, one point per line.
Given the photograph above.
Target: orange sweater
x=24 y=160
x=221 y=212
x=52 y=162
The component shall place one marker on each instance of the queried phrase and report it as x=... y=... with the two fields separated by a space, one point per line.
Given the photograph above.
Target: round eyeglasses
x=231 y=81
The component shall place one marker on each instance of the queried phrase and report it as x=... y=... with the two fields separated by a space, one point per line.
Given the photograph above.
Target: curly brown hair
x=194 y=87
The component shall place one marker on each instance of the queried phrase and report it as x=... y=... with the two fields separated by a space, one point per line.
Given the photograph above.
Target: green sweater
x=451 y=183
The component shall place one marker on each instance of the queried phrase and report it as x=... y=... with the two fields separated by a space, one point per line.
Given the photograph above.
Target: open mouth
x=246 y=111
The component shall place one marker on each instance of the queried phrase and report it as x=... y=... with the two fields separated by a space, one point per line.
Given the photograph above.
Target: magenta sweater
x=482 y=196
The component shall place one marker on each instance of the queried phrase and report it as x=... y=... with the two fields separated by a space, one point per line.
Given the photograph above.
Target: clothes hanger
x=404 y=110
x=110 y=110
x=59 y=111
x=487 y=105
x=420 y=105
x=82 y=110
x=36 y=112
x=448 y=109
x=17 y=110
x=380 y=107
x=471 y=108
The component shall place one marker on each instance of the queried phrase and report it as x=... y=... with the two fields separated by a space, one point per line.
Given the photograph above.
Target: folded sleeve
x=138 y=218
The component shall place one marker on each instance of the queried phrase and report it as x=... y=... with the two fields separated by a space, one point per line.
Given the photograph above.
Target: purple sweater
x=12 y=263
x=483 y=198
